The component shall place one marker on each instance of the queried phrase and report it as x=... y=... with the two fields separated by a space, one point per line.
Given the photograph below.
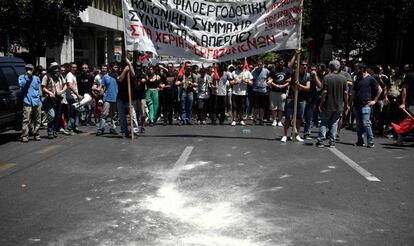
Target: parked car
x=11 y=102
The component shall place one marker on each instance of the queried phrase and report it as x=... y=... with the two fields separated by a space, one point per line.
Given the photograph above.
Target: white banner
x=212 y=30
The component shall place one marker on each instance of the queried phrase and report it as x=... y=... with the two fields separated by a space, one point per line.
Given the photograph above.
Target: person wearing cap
x=52 y=99
x=31 y=87
x=334 y=100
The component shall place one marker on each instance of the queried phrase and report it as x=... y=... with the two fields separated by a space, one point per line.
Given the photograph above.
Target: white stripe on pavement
x=179 y=164
x=367 y=175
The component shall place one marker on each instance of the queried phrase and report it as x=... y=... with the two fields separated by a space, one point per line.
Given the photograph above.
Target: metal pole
x=295 y=105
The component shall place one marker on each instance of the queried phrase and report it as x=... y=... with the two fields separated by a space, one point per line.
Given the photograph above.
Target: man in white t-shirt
x=239 y=93
x=72 y=95
x=218 y=98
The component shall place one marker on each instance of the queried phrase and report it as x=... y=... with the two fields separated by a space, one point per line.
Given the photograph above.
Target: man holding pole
x=123 y=99
x=300 y=84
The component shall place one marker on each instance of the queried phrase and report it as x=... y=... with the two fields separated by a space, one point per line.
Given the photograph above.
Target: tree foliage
x=36 y=24
x=367 y=27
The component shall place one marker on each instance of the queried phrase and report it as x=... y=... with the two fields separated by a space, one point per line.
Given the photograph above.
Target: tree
x=37 y=24
x=377 y=29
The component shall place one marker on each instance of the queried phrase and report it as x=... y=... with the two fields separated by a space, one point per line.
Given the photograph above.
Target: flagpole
x=131 y=116
x=297 y=82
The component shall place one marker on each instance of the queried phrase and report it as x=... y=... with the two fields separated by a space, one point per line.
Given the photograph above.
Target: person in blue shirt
x=260 y=78
x=109 y=84
x=31 y=87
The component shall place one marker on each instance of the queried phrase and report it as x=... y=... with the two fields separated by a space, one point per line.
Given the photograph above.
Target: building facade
x=96 y=41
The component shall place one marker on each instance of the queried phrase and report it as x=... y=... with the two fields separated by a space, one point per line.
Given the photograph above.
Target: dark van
x=11 y=98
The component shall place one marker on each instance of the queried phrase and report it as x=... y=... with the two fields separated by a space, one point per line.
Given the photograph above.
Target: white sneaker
x=284 y=139
x=242 y=123
x=299 y=139
x=233 y=123
x=280 y=124
x=274 y=123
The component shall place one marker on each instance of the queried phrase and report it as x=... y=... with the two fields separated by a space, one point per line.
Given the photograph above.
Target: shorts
x=289 y=109
x=277 y=100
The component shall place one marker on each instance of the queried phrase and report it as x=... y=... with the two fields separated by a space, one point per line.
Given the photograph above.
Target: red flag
x=246 y=65
x=216 y=75
x=405 y=126
x=143 y=58
x=182 y=71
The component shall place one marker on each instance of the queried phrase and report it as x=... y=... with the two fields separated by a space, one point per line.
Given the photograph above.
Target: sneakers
x=25 y=139
x=274 y=124
x=332 y=145
x=284 y=139
x=99 y=133
x=204 y=122
x=307 y=137
x=50 y=136
x=242 y=123
x=371 y=145
x=233 y=123
x=71 y=133
x=299 y=139
x=37 y=138
x=359 y=144
x=320 y=144
x=55 y=135
x=64 y=131
x=280 y=124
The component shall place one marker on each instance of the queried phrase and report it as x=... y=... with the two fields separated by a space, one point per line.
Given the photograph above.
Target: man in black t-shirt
x=364 y=100
x=123 y=99
x=313 y=96
x=85 y=83
x=407 y=97
x=167 y=84
x=278 y=85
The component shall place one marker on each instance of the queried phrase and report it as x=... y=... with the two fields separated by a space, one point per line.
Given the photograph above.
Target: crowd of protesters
x=366 y=99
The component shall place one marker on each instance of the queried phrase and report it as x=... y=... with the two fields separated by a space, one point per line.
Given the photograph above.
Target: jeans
x=72 y=113
x=203 y=105
x=186 y=106
x=363 y=123
x=51 y=109
x=167 y=100
x=259 y=104
x=123 y=109
x=238 y=105
x=309 y=116
x=217 y=108
x=329 y=119
x=109 y=109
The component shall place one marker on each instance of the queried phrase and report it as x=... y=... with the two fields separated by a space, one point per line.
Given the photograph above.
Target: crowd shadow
x=9 y=137
x=206 y=136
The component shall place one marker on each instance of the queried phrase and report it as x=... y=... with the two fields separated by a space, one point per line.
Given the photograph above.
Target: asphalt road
x=204 y=185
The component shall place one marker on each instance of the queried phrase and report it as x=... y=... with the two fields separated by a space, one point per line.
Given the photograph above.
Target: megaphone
x=87 y=100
